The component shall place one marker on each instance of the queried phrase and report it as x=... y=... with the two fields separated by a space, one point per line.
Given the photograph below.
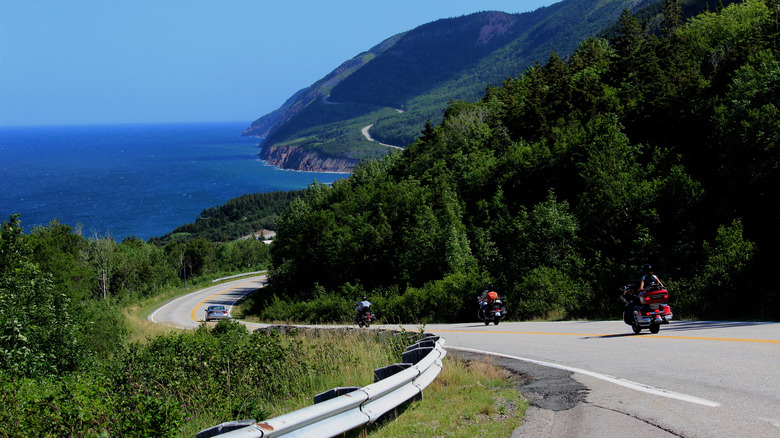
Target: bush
x=549 y=293
x=82 y=405
x=449 y=299
x=328 y=308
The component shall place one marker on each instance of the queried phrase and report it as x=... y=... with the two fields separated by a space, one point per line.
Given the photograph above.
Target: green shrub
x=549 y=293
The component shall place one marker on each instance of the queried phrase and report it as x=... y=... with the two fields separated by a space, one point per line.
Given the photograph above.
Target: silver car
x=216 y=312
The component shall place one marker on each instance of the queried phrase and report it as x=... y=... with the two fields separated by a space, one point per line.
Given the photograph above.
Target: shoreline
x=284 y=169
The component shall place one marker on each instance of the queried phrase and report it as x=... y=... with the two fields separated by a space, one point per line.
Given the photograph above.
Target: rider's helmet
x=365 y=299
x=646 y=268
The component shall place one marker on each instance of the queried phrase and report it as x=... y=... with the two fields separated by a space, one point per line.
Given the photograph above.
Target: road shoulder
x=561 y=404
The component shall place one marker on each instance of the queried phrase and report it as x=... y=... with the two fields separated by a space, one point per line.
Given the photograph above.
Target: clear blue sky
x=105 y=61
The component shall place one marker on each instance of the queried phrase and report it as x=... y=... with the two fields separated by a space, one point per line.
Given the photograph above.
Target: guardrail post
x=333 y=393
x=224 y=428
x=424 y=343
x=414 y=356
x=385 y=372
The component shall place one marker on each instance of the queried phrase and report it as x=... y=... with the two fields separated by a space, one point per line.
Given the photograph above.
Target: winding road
x=693 y=379
x=368 y=137
x=188 y=311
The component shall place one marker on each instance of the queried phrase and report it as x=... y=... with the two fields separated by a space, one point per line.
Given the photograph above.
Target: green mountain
x=408 y=79
x=558 y=185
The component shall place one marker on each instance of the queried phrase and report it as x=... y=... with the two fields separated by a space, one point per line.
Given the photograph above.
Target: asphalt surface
x=693 y=379
x=598 y=379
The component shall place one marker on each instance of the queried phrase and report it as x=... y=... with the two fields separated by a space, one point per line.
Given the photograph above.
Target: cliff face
x=297 y=158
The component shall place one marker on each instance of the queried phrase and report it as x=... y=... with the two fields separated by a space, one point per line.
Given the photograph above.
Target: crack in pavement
x=646 y=421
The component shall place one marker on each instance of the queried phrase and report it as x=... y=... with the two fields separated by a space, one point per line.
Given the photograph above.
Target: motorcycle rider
x=488 y=296
x=631 y=294
x=362 y=308
x=648 y=278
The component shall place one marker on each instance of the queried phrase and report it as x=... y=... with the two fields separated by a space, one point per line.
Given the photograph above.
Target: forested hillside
x=556 y=186
x=236 y=218
x=411 y=77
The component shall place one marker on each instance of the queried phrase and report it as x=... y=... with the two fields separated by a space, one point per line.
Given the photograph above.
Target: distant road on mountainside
x=369 y=138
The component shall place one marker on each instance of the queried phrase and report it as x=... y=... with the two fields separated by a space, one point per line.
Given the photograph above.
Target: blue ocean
x=124 y=180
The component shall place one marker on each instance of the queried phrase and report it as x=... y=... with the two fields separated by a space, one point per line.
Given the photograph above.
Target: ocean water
x=124 y=180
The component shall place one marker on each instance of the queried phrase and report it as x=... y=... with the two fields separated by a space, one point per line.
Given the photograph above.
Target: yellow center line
x=603 y=335
x=192 y=314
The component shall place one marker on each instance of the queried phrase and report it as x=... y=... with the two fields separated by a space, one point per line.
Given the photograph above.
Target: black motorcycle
x=365 y=318
x=491 y=312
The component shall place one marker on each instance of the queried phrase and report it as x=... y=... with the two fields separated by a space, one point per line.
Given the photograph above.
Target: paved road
x=189 y=310
x=598 y=379
x=693 y=379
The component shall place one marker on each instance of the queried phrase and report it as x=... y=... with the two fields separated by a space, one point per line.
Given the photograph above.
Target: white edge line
x=151 y=316
x=616 y=380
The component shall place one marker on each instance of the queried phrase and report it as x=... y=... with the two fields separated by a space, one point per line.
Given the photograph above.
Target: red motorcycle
x=647 y=308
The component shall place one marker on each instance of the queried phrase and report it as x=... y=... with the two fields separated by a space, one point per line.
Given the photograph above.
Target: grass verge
x=467 y=399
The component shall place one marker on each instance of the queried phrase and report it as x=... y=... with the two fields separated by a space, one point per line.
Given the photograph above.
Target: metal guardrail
x=238 y=275
x=342 y=409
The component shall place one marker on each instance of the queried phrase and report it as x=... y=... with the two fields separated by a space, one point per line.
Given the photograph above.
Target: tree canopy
x=557 y=185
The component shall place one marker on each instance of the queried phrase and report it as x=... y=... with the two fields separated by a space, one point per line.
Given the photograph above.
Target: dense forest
x=238 y=217
x=555 y=187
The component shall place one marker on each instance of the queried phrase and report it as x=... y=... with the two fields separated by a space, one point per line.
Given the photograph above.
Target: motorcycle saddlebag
x=656 y=296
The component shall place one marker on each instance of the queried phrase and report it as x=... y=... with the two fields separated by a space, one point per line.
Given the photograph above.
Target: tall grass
x=336 y=358
x=467 y=399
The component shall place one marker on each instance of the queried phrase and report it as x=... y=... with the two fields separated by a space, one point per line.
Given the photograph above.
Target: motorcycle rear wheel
x=637 y=328
x=655 y=328
x=495 y=321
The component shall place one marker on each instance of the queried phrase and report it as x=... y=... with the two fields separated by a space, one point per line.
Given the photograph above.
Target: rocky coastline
x=306 y=160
